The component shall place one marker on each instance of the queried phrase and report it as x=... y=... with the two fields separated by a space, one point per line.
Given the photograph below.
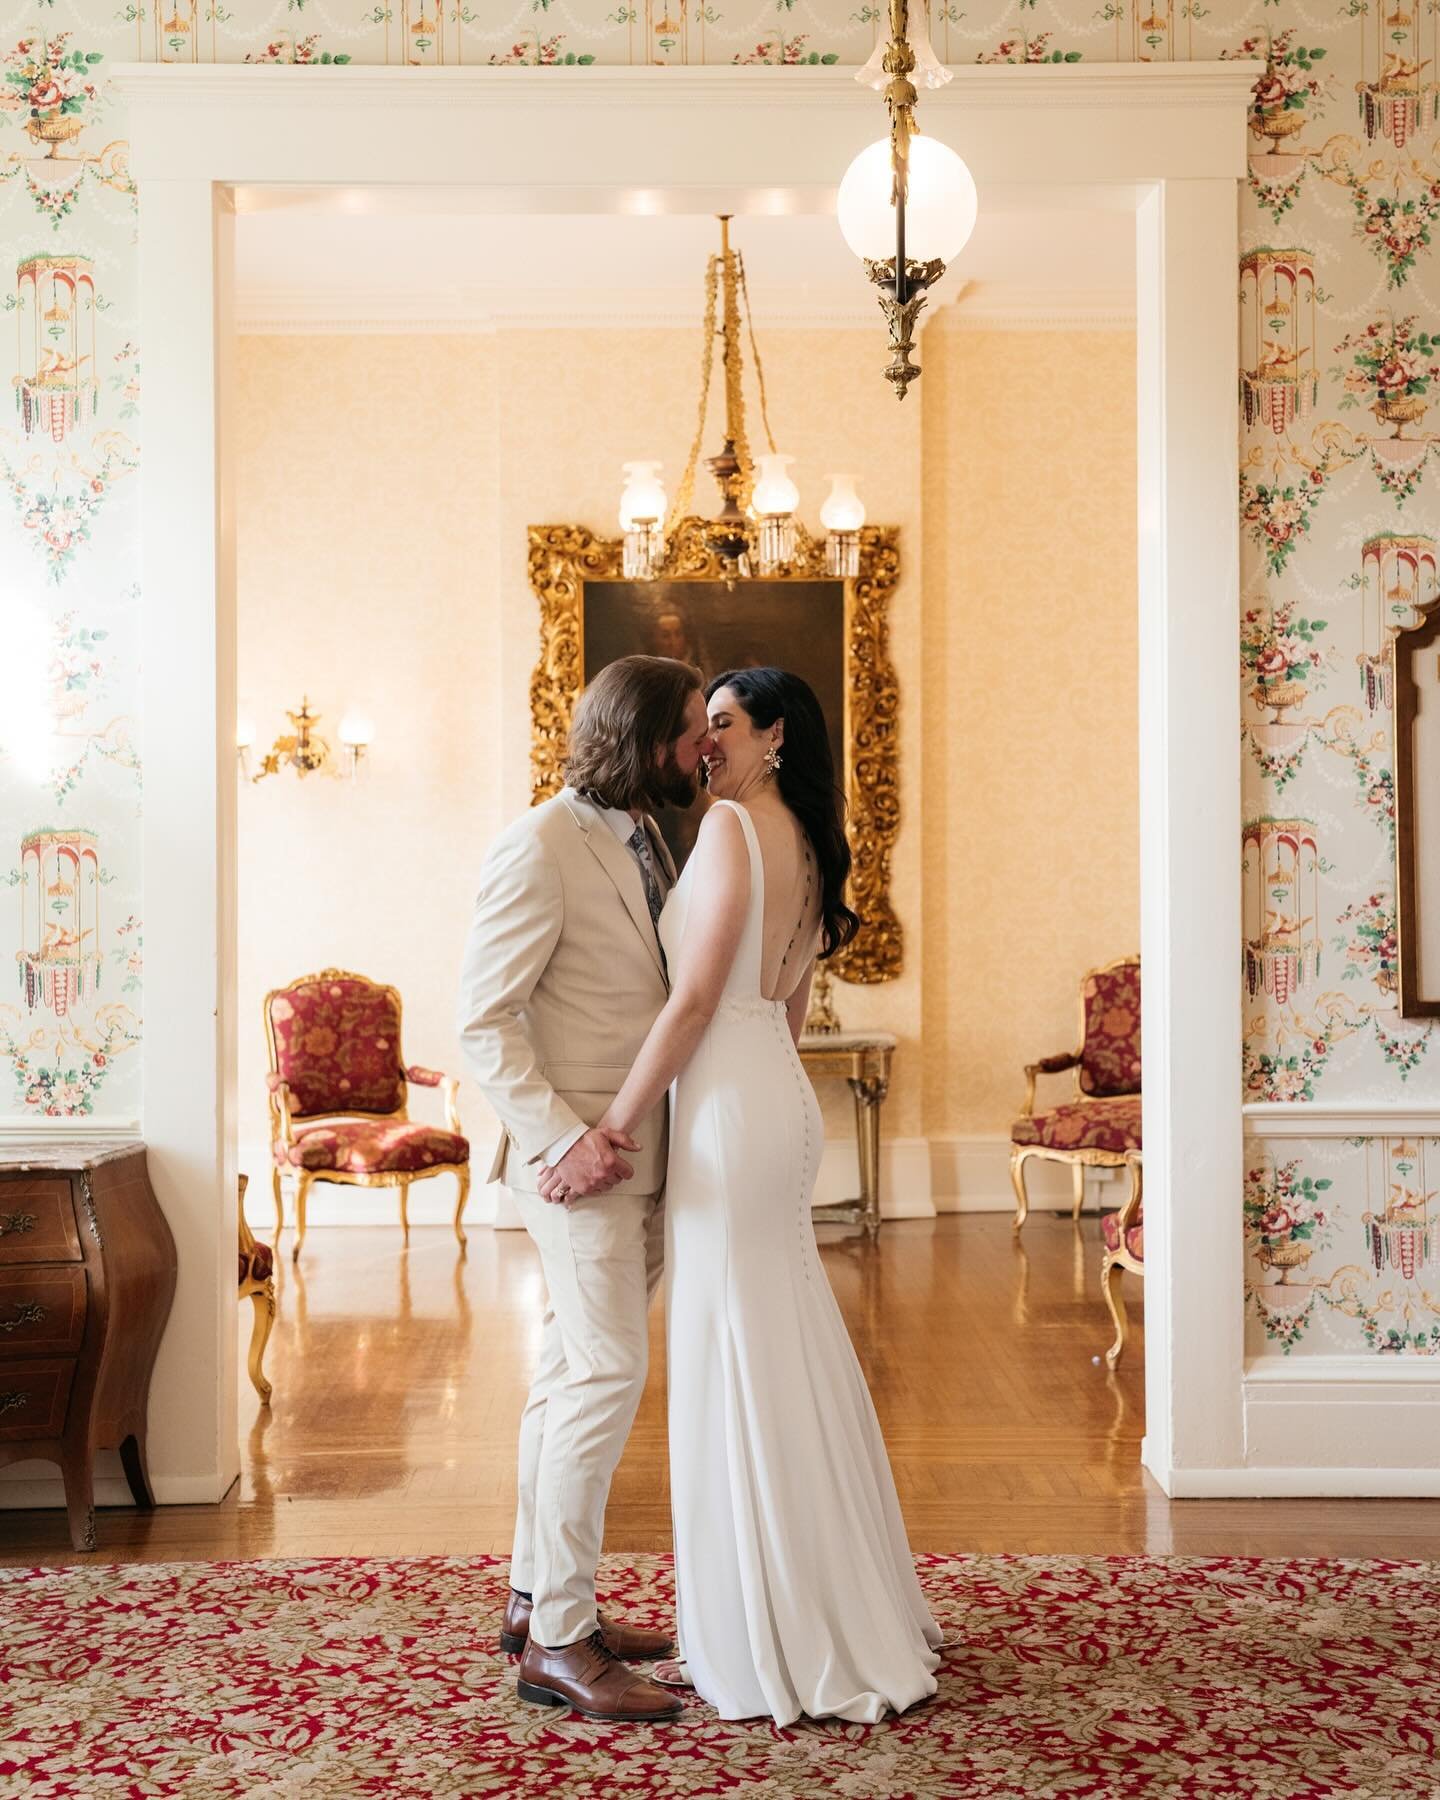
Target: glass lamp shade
x=939 y=213
x=643 y=499
x=843 y=509
x=355 y=731
x=929 y=71
x=775 y=494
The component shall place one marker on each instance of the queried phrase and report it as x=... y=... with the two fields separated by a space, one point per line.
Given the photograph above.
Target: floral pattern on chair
x=1112 y=1125
x=1110 y=1008
x=370 y=1147
x=1100 y=1126
x=334 y=1042
x=337 y=1046
x=1134 y=1238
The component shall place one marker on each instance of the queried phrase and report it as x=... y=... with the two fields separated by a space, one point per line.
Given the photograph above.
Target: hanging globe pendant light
x=907 y=204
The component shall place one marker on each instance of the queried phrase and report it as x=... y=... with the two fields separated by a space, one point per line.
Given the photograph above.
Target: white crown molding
x=1283 y=1483
x=359 y=310
x=1317 y=1119
x=1158 y=86
x=376 y=310
x=998 y=306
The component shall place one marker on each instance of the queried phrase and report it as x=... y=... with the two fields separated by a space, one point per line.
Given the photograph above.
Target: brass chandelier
x=907 y=204
x=756 y=531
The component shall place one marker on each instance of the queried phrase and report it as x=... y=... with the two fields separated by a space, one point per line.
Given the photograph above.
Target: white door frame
x=1171 y=138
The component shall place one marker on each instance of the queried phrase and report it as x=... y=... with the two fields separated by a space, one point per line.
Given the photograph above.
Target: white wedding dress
x=796 y=1591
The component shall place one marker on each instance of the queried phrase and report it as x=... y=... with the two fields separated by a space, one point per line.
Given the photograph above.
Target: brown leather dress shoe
x=590 y=1679
x=633 y=1643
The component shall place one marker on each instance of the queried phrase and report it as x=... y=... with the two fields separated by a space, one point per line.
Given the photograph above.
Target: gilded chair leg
x=275 y=1183
x=462 y=1182
x=1077 y=1177
x=302 y=1189
x=1110 y=1273
x=405 y=1211
x=1017 y=1181
x=259 y=1337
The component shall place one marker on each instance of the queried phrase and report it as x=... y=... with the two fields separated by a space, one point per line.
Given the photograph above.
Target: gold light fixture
x=303 y=749
x=756 y=531
x=907 y=204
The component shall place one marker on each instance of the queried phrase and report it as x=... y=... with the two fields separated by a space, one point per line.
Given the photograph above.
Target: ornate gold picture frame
x=564 y=557
x=1416 y=654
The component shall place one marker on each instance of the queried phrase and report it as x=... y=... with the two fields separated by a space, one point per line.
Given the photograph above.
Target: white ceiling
x=312 y=259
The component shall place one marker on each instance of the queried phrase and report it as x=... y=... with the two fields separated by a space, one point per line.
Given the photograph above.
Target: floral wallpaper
x=1339 y=313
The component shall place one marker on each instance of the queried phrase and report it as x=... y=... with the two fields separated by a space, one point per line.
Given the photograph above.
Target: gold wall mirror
x=833 y=632
x=1416 y=654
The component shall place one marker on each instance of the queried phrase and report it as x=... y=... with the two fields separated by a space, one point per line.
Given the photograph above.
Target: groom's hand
x=592 y=1165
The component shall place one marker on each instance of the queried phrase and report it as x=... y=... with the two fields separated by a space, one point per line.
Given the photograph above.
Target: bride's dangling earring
x=772 y=762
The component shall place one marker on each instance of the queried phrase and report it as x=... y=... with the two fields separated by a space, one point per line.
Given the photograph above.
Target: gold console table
x=863 y=1059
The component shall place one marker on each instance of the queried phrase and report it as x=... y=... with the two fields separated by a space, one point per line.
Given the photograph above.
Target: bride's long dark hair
x=806 y=781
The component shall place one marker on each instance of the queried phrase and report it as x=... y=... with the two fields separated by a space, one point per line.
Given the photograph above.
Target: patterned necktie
x=654 y=899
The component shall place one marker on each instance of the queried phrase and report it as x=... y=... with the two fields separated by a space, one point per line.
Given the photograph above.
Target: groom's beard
x=673 y=787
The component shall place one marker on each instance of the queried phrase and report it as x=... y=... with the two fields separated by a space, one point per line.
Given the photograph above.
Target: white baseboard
x=906 y=1187
x=905 y=1192
x=919 y=1177
x=37 y=1483
x=972 y=1174
x=1300 y=1484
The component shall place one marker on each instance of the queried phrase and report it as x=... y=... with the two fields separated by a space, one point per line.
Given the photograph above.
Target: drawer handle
x=30 y=1312
x=13 y=1401
x=19 y=1223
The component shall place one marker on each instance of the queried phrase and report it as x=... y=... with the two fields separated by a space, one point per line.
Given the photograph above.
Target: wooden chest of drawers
x=87 y=1275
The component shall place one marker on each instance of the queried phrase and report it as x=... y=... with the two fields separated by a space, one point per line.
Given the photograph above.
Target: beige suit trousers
x=602 y=1258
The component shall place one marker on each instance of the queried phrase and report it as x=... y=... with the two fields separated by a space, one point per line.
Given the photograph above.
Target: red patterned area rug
x=1070 y=1677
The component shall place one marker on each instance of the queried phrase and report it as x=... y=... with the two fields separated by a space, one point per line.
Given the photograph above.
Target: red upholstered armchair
x=339 y=1097
x=1100 y=1126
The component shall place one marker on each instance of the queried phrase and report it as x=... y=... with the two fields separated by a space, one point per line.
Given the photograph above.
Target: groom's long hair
x=625 y=723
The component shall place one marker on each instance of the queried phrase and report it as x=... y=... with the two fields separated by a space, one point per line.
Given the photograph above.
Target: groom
x=562 y=980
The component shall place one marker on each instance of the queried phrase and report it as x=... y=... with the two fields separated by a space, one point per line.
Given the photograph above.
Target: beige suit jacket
x=562 y=980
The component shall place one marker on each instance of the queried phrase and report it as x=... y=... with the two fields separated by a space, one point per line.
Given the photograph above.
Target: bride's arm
x=719 y=902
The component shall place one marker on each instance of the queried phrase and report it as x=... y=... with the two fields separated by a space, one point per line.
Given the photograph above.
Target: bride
x=796 y=1591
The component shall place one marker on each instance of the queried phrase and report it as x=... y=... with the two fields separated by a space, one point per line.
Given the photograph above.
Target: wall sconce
x=303 y=749
x=355 y=732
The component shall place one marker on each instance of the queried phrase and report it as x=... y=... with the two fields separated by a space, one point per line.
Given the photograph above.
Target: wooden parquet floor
x=399 y=1379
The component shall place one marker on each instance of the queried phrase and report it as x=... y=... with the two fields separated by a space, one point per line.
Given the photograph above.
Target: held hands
x=590 y=1166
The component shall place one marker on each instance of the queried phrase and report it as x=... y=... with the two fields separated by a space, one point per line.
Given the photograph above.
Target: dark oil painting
x=795 y=625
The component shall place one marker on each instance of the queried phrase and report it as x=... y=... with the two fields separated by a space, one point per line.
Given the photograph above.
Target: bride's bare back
x=791 y=930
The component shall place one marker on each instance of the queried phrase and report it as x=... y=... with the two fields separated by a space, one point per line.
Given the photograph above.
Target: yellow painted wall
x=366 y=484
x=1030 y=802
x=384 y=490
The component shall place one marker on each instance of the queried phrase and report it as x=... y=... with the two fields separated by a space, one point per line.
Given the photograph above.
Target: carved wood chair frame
x=282 y=1128
x=260 y=1289
x=1077 y=1160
